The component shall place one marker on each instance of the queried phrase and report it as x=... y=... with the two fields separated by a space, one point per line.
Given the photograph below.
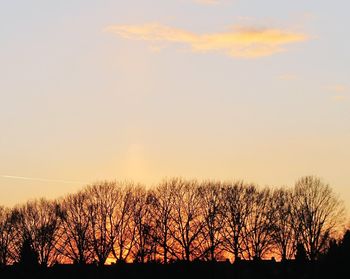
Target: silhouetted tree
x=316 y=213
x=339 y=250
x=144 y=227
x=162 y=205
x=283 y=233
x=103 y=198
x=187 y=222
x=76 y=244
x=38 y=224
x=258 y=228
x=177 y=220
x=345 y=244
x=332 y=252
x=125 y=230
x=8 y=236
x=211 y=199
x=28 y=255
x=300 y=255
x=335 y=259
x=237 y=203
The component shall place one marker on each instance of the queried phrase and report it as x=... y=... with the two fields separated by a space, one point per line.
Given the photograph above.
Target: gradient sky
x=147 y=89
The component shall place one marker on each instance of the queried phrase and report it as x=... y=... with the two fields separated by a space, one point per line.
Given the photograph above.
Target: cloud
x=246 y=42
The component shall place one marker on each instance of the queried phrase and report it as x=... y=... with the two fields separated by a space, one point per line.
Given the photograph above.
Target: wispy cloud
x=239 y=41
x=41 y=179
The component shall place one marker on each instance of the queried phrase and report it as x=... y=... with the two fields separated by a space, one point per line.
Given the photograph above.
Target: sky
x=147 y=89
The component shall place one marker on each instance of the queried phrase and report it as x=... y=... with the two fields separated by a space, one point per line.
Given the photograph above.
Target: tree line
x=177 y=219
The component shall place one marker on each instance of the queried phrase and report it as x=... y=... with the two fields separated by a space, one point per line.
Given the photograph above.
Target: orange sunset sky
x=147 y=89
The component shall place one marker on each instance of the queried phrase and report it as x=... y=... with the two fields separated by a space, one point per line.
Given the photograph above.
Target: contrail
x=42 y=179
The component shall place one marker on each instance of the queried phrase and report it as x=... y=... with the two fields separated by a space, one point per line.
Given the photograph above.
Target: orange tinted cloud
x=247 y=42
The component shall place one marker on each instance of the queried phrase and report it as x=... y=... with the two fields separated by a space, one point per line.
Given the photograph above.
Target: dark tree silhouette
x=28 y=255
x=38 y=224
x=316 y=213
x=187 y=221
x=144 y=227
x=283 y=233
x=210 y=195
x=76 y=244
x=162 y=205
x=103 y=200
x=237 y=203
x=8 y=220
x=345 y=245
x=258 y=228
x=300 y=255
x=179 y=220
x=125 y=231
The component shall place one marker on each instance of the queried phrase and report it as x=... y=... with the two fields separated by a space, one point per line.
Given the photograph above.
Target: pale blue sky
x=79 y=102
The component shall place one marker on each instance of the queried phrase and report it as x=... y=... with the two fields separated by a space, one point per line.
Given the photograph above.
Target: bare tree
x=77 y=242
x=38 y=225
x=8 y=236
x=187 y=221
x=316 y=212
x=144 y=226
x=258 y=228
x=177 y=220
x=125 y=231
x=162 y=205
x=102 y=206
x=211 y=198
x=283 y=233
x=237 y=203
